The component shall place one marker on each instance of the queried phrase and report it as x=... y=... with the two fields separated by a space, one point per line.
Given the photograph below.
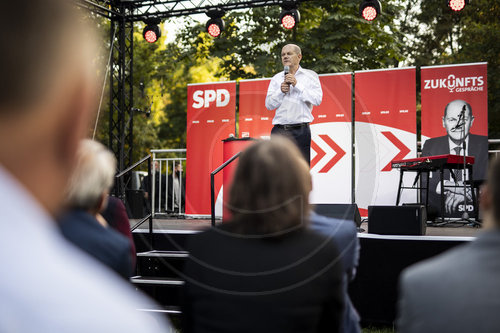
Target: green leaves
x=333 y=38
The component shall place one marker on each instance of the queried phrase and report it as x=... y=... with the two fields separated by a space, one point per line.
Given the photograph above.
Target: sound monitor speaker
x=135 y=201
x=340 y=211
x=397 y=220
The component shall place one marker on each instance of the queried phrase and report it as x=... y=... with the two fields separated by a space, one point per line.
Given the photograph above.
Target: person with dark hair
x=159 y=189
x=293 y=92
x=459 y=290
x=343 y=234
x=452 y=143
x=177 y=190
x=116 y=216
x=47 y=99
x=265 y=270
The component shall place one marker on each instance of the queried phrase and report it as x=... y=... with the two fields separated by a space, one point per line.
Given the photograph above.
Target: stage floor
x=194 y=225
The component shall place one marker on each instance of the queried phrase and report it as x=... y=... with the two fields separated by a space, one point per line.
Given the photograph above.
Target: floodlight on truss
x=370 y=9
x=457 y=5
x=152 y=31
x=215 y=25
x=290 y=16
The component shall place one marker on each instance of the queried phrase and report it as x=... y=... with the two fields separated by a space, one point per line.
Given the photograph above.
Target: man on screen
x=293 y=92
x=457 y=130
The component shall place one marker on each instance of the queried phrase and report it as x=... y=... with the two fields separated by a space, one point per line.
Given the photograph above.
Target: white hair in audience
x=93 y=176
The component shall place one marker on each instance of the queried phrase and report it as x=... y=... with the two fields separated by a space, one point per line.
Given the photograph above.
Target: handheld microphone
x=286 y=69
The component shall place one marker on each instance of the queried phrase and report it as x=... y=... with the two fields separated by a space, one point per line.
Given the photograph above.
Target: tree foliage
x=436 y=35
x=333 y=37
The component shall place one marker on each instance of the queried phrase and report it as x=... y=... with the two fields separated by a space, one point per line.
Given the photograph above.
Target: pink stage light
x=288 y=22
x=150 y=36
x=369 y=13
x=214 y=30
x=457 y=5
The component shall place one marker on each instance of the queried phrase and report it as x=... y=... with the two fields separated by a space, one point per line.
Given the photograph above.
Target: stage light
x=215 y=25
x=370 y=9
x=151 y=32
x=457 y=5
x=289 y=16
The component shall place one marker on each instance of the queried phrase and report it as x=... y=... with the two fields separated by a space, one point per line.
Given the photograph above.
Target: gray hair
x=92 y=177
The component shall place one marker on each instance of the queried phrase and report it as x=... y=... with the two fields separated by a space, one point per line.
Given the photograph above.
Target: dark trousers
x=301 y=136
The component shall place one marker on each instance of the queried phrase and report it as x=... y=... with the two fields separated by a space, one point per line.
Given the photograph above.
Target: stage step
x=163 y=254
x=166 y=264
x=165 y=291
x=172 y=310
x=155 y=281
x=164 y=240
x=159 y=271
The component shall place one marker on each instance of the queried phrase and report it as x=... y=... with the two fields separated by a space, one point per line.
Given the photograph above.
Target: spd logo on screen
x=204 y=98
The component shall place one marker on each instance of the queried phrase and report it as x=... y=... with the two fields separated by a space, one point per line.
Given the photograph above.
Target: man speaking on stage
x=293 y=92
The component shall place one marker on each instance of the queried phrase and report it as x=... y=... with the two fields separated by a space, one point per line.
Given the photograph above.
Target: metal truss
x=100 y=7
x=141 y=10
x=151 y=9
x=121 y=121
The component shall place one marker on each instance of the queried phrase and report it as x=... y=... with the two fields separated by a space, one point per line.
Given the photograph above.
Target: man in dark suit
x=103 y=243
x=459 y=290
x=452 y=143
x=344 y=235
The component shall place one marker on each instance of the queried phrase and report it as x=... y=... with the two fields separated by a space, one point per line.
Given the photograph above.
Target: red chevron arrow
x=403 y=149
x=320 y=153
x=339 y=153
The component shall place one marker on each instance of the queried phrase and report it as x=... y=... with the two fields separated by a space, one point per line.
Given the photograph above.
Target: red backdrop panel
x=385 y=104
x=336 y=103
x=443 y=84
x=255 y=119
x=387 y=97
x=210 y=119
x=331 y=141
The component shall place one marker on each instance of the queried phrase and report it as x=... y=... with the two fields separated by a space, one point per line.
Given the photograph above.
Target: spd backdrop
x=386 y=125
x=385 y=129
x=443 y=84
x=210 y=119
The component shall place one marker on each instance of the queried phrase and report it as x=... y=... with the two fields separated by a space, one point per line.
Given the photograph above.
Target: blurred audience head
x=92 y=178
x=270 y=190
x=47 y=93
x=490 y=196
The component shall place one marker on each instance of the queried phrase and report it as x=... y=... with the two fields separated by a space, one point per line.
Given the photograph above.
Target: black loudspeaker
x=135 y=201
x=340 y=211
x=397 y=220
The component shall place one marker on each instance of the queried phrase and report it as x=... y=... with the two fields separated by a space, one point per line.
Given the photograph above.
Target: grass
x=378 y=329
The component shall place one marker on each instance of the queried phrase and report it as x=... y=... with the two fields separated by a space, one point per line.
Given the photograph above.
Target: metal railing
x=493 y=152
x=161 y=191
x=148 y=216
